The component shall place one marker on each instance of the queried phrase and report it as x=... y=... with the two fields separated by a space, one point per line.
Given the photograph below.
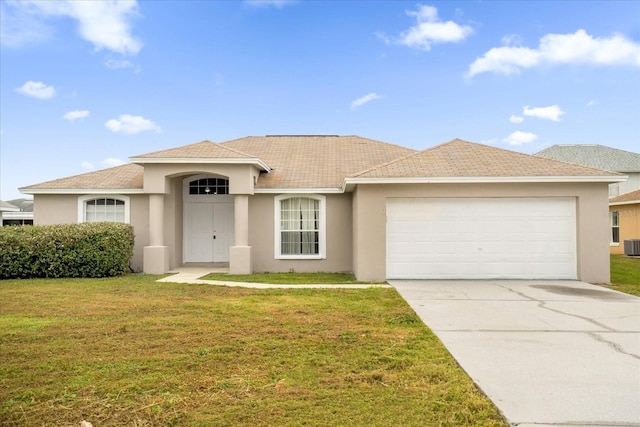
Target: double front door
x=208 y=231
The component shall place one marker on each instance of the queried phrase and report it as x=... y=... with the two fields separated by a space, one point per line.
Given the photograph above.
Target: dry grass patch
x=132 y=352
x=292 y=278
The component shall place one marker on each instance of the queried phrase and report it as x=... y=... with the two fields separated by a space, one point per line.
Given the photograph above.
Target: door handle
x=214 y=237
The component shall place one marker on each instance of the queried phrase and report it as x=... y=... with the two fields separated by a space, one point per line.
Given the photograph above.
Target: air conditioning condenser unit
x=632 y=247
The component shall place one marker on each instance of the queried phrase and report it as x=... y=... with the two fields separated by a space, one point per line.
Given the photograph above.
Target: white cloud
x=37 y=90
x=363 y=100
x=556 y=49
x=429 y=29
x=76 y=114
x=552 y=112
x=87 y=165
x=511 y=40
x=592 y=103
x=111 y=161
x=105 y=24
x=516 y=119
x=119 y=63
x=131 y=125
x=519 y=138
x=19 y=28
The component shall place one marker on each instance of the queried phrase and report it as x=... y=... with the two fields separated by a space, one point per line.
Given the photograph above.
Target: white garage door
x=481 y=238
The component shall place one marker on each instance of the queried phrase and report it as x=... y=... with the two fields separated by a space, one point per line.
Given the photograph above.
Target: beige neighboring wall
x=262 y=229
x=369 y=220
x=63 y=209
x=629 y=216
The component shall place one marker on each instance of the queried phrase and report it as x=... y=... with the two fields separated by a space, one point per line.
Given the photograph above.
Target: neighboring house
x=600 y=157
x=623 y=211
x=459 y=210
x=16 y=212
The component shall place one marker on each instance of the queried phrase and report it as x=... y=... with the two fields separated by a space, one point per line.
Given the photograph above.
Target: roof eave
x=293 y=190
x=627 y=202
x=351 y=182
x=206 y=160
x=32 y=191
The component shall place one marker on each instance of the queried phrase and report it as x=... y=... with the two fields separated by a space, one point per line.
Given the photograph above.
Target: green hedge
x=99 y=249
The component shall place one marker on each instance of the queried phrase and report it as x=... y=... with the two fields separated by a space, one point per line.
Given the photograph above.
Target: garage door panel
x=471 y=238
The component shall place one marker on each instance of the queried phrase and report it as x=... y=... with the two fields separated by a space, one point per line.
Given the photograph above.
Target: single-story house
x=459 y=210
x=624 y=212
x=16 y=212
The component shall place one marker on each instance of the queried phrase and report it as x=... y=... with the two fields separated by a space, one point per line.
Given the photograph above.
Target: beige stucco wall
x=158 y=177
x=629 y=225
x=262 y=230
x=55 y=209
x=369 y=220
x=63 y=209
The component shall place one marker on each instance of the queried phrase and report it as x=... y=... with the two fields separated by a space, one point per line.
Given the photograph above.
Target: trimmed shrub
x=99 y=249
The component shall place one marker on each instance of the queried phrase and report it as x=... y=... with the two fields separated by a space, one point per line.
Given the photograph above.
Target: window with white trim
x=615 y=227
x=300 y=227
x=103 y=208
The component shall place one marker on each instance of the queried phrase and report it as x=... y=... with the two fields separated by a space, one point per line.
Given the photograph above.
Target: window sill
x=614 y=244
x=287 y=257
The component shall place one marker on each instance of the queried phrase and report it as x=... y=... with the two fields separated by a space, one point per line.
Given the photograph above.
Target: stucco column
x=156 y=255
x=156 y=220
x=241 y=220
x=240 y=253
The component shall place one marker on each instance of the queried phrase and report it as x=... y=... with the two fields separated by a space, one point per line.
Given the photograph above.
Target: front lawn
x=130 y=351
x=625 y=274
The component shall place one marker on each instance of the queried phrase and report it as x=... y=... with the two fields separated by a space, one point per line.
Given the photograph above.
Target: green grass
x=289 y=278
x=625 y=274
x=133 y=352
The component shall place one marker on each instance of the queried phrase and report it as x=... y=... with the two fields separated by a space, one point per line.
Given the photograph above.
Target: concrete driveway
x=560 y=353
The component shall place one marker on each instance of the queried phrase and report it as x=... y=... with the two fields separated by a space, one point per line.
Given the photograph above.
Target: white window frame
x=82 y=203
x=322 y=232
x=612 y=215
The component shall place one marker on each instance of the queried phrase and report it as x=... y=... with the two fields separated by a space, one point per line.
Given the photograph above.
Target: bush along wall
x=99 y=249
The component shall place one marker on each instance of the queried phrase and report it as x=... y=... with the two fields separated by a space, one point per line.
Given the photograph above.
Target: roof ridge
x=233 y=150
x=390 y=162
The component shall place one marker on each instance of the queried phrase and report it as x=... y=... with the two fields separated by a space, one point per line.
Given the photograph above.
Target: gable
x=462 y=159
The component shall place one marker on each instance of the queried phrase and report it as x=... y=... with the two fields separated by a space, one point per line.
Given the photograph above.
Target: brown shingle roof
x=127 y=176
x=458 y=158
x=325 y=161
x=633 y=196
x=204 y=149
x=315 y=161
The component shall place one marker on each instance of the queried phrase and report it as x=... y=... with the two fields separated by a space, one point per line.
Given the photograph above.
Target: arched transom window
x=209 y=186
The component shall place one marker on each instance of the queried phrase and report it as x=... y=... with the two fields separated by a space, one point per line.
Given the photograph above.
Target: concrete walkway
x=193 y=274
x=547 y=353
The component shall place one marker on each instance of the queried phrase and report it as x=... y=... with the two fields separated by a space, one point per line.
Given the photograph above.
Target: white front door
x=208 y=231
x=222 y=231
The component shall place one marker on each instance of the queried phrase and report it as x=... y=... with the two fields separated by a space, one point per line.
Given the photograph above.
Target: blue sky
x=85 y=85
